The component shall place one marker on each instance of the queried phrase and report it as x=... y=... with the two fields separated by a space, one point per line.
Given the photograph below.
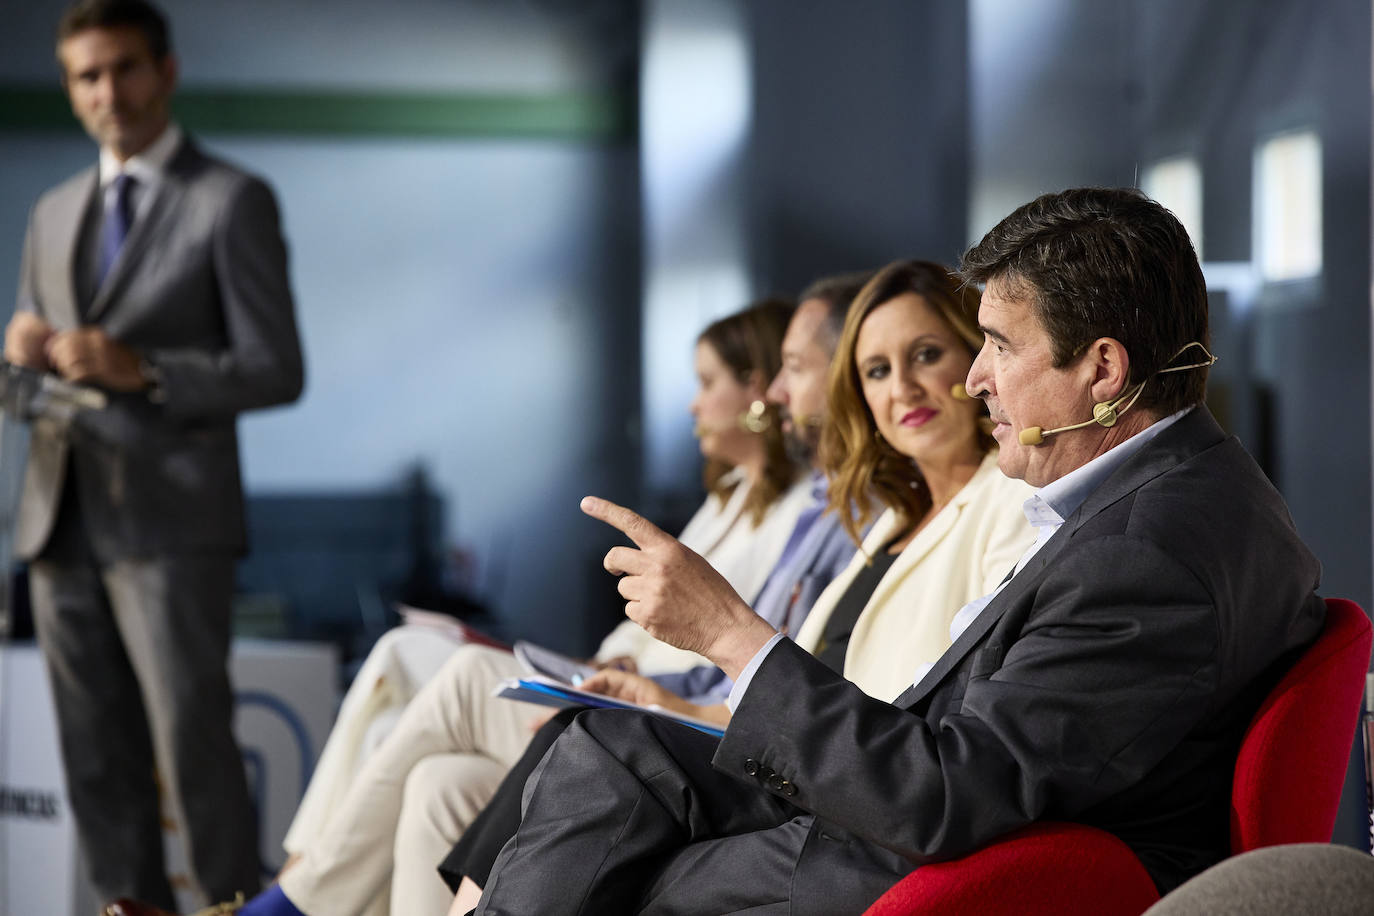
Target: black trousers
x=626 y=815
x=474 y=854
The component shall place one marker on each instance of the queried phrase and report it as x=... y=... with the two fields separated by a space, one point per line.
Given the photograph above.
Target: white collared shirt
x=1046 y=510
x=147 y=168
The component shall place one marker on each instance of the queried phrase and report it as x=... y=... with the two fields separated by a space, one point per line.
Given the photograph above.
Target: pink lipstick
x=918 y=417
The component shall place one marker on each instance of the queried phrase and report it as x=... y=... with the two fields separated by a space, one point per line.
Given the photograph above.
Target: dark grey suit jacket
x=1108 y=684
x=200 y=290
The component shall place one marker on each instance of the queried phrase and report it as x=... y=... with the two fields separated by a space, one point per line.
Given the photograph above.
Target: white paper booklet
x=551 y=664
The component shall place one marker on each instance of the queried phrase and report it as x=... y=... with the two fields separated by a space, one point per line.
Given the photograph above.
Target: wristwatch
x=153 y=377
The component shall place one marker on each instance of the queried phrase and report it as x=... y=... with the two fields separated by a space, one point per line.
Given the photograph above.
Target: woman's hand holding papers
x=619 y=663
x=632 y=688
x=635 y=688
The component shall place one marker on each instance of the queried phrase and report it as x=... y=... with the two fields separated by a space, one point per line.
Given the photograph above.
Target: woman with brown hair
x=903 y=433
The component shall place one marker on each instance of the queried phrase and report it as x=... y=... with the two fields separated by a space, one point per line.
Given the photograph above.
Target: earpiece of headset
x=756 y=419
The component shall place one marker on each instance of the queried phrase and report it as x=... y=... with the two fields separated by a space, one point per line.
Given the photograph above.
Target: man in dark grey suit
x=160 y=276
x=1108 y=681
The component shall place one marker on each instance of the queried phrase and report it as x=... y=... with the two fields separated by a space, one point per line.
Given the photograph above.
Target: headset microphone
x=1106 y=413
x=959 y=392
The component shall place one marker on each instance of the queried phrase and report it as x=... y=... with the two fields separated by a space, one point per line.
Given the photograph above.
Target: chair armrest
x=1049 y=868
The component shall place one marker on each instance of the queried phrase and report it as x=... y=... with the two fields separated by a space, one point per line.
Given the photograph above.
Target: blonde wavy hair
x=861 y=465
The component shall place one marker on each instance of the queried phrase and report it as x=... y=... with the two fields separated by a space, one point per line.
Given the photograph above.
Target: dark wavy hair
x=114 y=14
x=1104 y=262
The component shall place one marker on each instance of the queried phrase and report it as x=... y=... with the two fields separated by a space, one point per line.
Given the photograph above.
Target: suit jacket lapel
x=146 y=231
x=1021 y=583
x=1189 y=436
x=76 y=212
x=1173 y=446
x=925 y=541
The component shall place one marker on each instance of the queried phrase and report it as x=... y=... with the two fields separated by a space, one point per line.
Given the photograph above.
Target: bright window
x=1288 y=206
x=1176 y=183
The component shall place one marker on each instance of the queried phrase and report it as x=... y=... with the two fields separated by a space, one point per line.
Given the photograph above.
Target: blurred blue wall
x=467 y=303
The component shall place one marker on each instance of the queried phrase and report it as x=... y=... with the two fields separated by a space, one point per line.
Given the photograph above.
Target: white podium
x=287 y=694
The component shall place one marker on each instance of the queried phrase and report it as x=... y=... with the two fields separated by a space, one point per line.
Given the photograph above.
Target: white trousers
x=416 y=793
x=403 y=660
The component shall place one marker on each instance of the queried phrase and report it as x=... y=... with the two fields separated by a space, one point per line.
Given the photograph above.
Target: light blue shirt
x=1046 y=510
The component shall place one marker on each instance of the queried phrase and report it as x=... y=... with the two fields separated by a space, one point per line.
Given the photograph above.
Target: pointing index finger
x=633 y=525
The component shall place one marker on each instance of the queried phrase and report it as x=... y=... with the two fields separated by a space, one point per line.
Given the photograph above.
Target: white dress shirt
x=147 y=169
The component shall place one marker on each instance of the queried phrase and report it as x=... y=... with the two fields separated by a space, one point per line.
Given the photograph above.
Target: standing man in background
x=158 y=275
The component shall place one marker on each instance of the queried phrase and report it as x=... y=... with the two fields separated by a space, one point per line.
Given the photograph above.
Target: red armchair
x=1286 y=789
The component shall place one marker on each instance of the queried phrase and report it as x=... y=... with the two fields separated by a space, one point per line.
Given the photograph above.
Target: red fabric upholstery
x=1293 y=760
x=1041 y=870
x=1288 y=780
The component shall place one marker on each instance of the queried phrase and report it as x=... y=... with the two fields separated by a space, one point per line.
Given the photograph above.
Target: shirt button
x=788 y=789
x=776 y=782
x=751 y=766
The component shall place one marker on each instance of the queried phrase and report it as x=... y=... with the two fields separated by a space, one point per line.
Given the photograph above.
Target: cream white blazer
x=963 y=553
x=723 y=533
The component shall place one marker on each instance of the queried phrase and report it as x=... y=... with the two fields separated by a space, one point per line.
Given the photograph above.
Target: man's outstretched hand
x=675 y=594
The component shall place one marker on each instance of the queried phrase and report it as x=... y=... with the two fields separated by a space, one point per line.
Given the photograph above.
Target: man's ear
x=1111 y=368
x=170 y=70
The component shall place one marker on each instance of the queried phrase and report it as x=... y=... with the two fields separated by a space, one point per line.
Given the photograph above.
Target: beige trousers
x=404 y=659
x=416 y=794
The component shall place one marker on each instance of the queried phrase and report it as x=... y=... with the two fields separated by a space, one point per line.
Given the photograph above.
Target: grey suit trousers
x=133 y=514
x=136 y=651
